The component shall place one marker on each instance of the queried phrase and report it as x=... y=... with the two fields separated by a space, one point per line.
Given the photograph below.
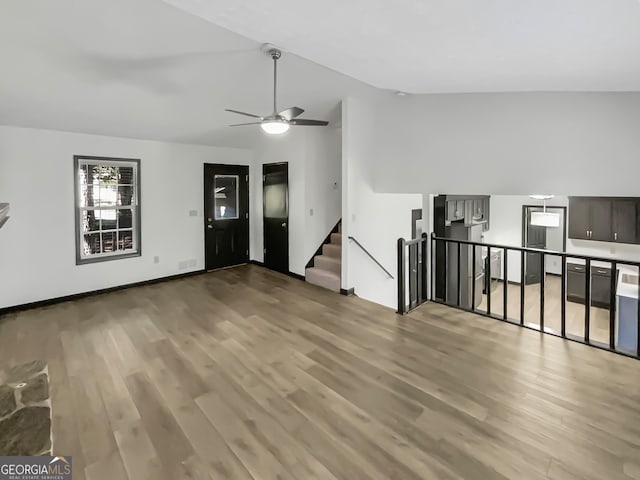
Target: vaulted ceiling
x=144 y=69
x=433 y=46
x=166 y=70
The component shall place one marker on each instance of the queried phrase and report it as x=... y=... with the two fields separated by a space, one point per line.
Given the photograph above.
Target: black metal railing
x=412 y=271
x=461 y=276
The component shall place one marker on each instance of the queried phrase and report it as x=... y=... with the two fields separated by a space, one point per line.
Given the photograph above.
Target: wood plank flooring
x=599 y=317
x=249 y=374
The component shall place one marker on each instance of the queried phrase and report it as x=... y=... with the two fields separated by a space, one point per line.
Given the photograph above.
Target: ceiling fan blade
x=311 y=123
x=242 y=113
x=242 y=124
x=290 y=113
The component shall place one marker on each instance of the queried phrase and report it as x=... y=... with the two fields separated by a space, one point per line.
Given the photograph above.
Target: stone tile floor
x=25 y=410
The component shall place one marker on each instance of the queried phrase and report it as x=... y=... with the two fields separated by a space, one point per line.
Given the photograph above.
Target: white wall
x=508 y=144
x=37 y=245
x=315 y=157
x=375 y=220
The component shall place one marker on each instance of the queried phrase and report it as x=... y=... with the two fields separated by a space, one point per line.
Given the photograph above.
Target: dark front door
x=276 y=216
x=536 y=237
x=226 y=215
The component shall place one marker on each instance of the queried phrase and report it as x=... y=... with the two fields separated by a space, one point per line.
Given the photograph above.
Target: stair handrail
x=371 y=256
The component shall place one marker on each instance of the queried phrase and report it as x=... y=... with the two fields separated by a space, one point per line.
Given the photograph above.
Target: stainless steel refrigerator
x=470 y=233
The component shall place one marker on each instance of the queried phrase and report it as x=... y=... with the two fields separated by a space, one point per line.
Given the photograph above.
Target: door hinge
x=264 y=177
x=246 y=177
x=264 y=250
x=246 y=215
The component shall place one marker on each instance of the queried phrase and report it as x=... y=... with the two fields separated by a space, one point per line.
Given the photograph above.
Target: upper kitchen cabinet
x=466 y=209
x=625 y=220
x=590 y=218
x=604 y=219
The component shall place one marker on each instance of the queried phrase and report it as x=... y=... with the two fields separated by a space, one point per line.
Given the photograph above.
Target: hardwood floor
x=599 y=317
x=249 y=374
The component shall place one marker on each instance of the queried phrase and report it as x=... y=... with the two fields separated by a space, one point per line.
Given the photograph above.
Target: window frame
x=80 y=160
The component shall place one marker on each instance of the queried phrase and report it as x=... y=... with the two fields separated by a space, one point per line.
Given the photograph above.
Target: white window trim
x=81 y=257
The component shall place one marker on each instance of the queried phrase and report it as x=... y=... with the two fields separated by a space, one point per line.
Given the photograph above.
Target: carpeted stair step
x=325 y=262
x=336 y=239
x=332 y=250
x=323 y=278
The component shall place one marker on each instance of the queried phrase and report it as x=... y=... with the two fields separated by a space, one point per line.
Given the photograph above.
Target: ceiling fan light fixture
x=275 y=127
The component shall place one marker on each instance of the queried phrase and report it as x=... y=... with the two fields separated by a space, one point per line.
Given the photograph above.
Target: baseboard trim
x=348 y=292
x=77 y=296
x=290 y=274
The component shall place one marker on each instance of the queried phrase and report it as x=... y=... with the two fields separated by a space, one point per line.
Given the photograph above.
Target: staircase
x=327 y=266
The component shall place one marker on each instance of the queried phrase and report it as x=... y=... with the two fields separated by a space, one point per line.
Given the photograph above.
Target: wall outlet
x=184 y=264
x=311 y=212
x=156 y=259
x=193 y=213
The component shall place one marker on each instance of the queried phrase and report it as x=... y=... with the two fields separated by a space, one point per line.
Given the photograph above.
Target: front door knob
x=284 y=224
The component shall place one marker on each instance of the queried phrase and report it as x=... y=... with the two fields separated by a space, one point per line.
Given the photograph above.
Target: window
x=226 y=196
x=107 y=208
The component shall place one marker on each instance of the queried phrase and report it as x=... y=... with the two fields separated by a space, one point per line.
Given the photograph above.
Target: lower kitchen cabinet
x=600 y=285
x=576 y=282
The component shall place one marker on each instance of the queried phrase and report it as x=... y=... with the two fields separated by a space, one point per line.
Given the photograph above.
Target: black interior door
x=226 y=215
x=536 y=237
x=275 y=186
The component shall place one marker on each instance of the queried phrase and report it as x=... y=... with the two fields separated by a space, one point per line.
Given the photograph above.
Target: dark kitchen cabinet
x=590 y=218
x=579 y=218
x=625 y=221
x=600 y=225
x=576 y=282
x=448 y=210
x=605 y=219
x=600 y=285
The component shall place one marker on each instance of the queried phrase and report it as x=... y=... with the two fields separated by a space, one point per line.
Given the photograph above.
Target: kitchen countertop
x=624 y=289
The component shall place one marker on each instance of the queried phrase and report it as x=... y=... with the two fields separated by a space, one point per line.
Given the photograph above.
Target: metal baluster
x=473 y=277
x=424 y=246
x=638 y=326
x=488 y=280
x=587 y=300
x=458 y=280
x=612 y=307
x=563 y=300
x=401 y=279
x=505 y=284
x=542 y=282
x=522 y=255
x=433 y=269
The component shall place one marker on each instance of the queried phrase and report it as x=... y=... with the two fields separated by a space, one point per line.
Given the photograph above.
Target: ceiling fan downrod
x=275 y=55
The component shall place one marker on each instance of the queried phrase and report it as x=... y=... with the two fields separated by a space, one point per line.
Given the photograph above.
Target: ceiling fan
x=278 y=122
